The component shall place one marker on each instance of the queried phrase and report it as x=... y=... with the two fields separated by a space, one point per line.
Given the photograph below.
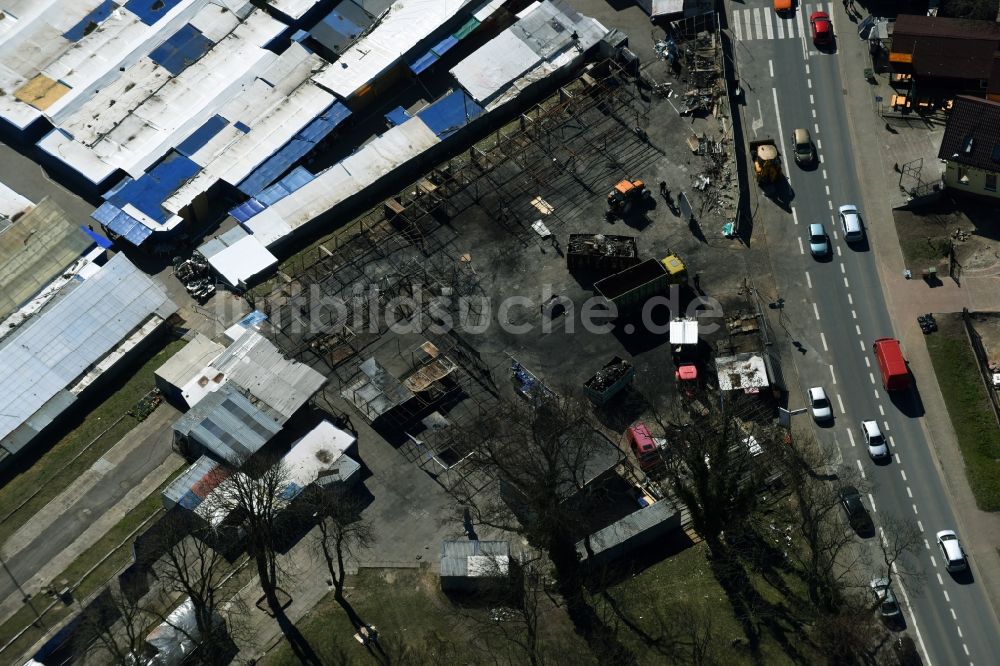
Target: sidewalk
x=908 y=298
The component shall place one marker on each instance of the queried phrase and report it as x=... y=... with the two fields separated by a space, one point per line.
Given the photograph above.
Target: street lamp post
x=26 y=598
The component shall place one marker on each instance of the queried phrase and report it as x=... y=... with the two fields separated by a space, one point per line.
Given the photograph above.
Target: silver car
x=951 y=551
x=850 y=220
x=819 y=242
x=877 y=448
x=888 y=606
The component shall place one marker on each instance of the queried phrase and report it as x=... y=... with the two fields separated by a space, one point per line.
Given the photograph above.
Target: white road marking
x=824 y=174
x=781 y=35
x=770 y=30
x=885 y=540
x=842 y=269
x=850 y=299
x=781 y=132
x=819 y=145
x=902 y=473
x=823 y=340
x=770 y=67
x=749 y=30
x=795 y=216
x=927 y=544
x=809 y=281
x=811 y=100
x=827 y=190
x=920 y=526
x=801 y=250
x=816 y=127
x=871 y=377
x=897 y=455
x=807 y=64
x=857 y=329
x=809 y=82
x=871 y=500
x=915 y=512
x=816 y=311
x=966 y=648
x=862 y=343
x=861 y=469
x=833 y=375
x=835 y=236
x=892 y=443
x=756 y=23
x=854 y=315
x=847 y=284
x=951 y=610
x=881 y=410
x=876 y=394
x=737 y=27
x=948 y=599
x=841 y=403
x=868 y=363
x=814 y=113
x=830 y=204
x=906 y=598
x=885 y=426
x=839 y=254
x=934 y=564
x=909 y=493
x=850 y=436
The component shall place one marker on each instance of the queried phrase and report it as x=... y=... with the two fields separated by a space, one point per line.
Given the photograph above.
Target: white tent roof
x=242 y=260
x=684 y=332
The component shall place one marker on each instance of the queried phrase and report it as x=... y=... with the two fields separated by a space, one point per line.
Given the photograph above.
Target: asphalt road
x=836 y=308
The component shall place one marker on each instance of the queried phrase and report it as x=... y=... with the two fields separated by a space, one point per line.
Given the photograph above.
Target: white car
x=877 y=448
x=850 y=220
x=885 y=599
x=819 y=404
x=951 y=551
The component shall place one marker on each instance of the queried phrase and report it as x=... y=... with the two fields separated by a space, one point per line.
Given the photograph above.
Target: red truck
x=644 y=447
x=892 y=365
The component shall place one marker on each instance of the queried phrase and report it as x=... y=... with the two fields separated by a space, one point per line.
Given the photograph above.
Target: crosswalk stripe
x=781 y=29
x=791 y=28
x=767 y=24
x=758 y=30
x=738 y=27
x=746 y=18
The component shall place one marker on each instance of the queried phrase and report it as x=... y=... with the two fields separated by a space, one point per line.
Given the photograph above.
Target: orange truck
x=783 y=6
x=891 y=364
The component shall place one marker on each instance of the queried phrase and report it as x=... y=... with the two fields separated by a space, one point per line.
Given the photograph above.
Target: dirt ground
x=987 y=324
x=926 y=233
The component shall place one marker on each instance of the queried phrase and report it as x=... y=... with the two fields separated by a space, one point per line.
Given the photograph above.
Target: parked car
x=951 y=550
x=857 y=515
x=819 y=404
x=885 y=598
x=877 y=447
x=850 y=220
x=822 y=28
x=819 y=242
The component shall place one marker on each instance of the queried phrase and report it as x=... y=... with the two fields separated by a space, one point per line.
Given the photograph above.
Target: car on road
x=819 y=404
x=822 y=28
x=819 y=242
x=877 y=448
x=850 y=220
x=802 y=146
x=885 y=598
x=951 y=550
x=782 y=7
x=857 y=515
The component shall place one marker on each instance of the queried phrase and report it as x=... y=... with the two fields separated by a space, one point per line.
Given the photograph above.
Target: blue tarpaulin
x=202 y=135
x=150 y=190
x=397 y=116
x=151 y=11
x=184 y=47
x=293 y=181
x=423 y=62
x=90 y=22
x=297 y=148
x=450 y=113
x=118 y=221
x=96 y=237
x=444 y=45
x=246 y=210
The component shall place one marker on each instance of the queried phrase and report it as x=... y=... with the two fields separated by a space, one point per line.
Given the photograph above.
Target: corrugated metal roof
x=246 y=210
x=55 y=348
x=189 y=361
x=181 y=487
x=423 y=62
x=91 y=21
x=629 y=527
x=148 y=192
x=228 y=425
x=257 y=366
x=296 y=178
x=297 y=148
x=151 y=11
x=201 y=136
x=341 y=27
x=455 y=554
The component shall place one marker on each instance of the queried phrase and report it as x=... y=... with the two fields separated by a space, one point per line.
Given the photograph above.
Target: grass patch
x=50 y=471
x=678 y=603
x=969 y=409
x=920 y=253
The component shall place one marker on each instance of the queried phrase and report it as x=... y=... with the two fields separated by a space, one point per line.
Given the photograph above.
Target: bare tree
x=255 y=499
x=113 y=629
x=898 y=537
x=544 y=452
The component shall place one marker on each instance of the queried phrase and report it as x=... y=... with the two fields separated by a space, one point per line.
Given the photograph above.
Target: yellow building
x=970 y=147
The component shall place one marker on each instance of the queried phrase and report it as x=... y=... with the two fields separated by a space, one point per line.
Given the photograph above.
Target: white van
x=850 y=220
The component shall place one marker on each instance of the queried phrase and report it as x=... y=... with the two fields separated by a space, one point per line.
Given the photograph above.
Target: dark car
x=857 y=515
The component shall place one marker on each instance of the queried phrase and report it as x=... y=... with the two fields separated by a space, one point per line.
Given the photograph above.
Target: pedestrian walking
x=663 y=188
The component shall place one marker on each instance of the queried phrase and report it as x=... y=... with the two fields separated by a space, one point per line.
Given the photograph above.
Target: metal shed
x=182 y=367
x=467 y=564
x=225 y=425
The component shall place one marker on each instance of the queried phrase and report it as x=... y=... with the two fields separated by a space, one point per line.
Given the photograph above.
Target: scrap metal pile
x=603 y=245
x=195 y=275
x=701 y=73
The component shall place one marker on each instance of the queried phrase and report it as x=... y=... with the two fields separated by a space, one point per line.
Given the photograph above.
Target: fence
x=982 y=361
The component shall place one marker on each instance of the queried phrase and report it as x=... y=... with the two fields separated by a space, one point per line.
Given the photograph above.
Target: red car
x=822 y=29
